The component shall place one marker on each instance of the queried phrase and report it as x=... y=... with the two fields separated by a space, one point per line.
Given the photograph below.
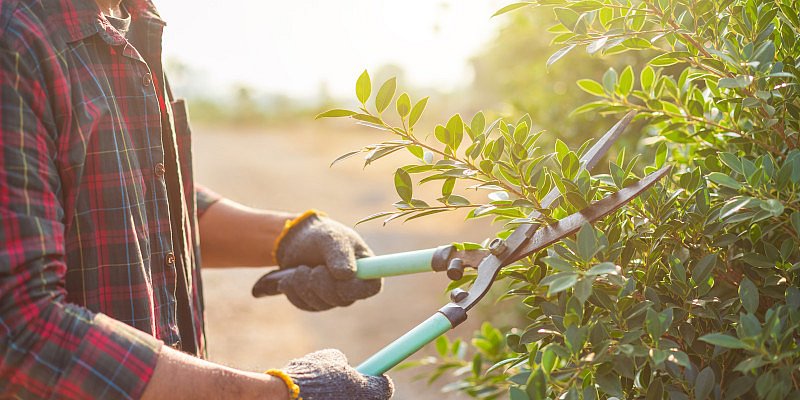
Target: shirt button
x=170 y=258
x=160 y=169
x=147 y=79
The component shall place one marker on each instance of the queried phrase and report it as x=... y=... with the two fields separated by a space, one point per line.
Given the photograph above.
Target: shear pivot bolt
x=457 y=295
x=455 y=270
x=497 y=246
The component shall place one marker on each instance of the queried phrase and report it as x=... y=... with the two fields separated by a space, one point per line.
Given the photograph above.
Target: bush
x=689 y=292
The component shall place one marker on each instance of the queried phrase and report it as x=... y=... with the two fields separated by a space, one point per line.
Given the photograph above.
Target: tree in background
x=512 y=76
x=689 y=292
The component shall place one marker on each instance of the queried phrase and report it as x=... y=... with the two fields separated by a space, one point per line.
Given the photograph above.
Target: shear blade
x=545 y=236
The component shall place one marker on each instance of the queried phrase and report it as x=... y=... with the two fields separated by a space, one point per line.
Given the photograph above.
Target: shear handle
x=411 y=262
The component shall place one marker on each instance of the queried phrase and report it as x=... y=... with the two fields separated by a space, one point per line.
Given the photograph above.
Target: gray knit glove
x=326 y=375
x=325 y=253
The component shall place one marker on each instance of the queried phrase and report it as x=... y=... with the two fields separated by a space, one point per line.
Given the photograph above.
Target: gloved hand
x=326 y=253
x=326 y=375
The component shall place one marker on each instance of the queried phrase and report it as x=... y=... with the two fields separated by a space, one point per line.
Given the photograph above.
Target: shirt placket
x=179 y=334
x=177 y=260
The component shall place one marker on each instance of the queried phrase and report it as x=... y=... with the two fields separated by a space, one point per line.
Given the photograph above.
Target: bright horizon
x=295 y=47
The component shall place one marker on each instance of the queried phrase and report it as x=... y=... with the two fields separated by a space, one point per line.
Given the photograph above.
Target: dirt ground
x=287 y=168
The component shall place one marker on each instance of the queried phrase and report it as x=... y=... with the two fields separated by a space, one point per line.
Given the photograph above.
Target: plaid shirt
x=98 y=211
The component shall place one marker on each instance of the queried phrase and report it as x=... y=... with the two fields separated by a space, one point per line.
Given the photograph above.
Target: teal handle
x=410 y=262
x=408 y=344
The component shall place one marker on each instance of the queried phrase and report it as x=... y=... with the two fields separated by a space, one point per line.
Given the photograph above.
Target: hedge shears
x=525 y=240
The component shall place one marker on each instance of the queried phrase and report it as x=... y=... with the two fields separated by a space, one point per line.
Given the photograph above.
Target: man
x=100 y=221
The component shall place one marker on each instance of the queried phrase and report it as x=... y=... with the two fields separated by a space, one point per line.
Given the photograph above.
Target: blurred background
x=255 y=73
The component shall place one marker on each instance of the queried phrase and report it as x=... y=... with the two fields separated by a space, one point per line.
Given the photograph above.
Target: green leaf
x=591 y=87
x=335 y=114
x=610 y=384
x=375 y=216
x=596 y=45
x=647 y=76
x=403 y=105
x=549 y=359
x=704 y=383
x=417 y=151
x=567 y=17
x=723 y=340
x=559 y=54
x=478 y=124
x=575 y=338
x=558 y=264
x=416 y=112
x=537 y=386
x=664 y=60
x=515 y=393
x=733 y=162
x=610 y=80
x=363 y=87
x=583 y=288
x=603 y=268
x=345 y=156
x=455 y=126
x=561 y=150
x=442 y=135
x=447 y=186
x=796 y=221
x=385 y=94
x=587 y=242
x=402 y=183
x=654 y=325
x=748 y=294
x=740 y=81
x=773 y=206
x=637 y=43
x=702 y=269
x=626 y=81
x=511 y=7
x=456 y=200
x=661 y=155
x=562 y=283
x=442 y=344
x=750 y=364
x=724 y=180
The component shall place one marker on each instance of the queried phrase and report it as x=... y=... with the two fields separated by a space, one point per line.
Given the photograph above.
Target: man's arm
x=233 y=235
x=181 y=376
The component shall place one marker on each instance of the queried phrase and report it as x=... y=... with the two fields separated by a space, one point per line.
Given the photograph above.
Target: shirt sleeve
x=205 y=199
x=49 y=348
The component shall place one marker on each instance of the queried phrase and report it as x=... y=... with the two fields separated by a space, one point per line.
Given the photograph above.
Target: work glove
x=326 y=375
x=324 y=252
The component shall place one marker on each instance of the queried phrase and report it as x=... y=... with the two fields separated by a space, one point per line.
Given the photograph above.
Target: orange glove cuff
x=291 y=223
x=294 y=390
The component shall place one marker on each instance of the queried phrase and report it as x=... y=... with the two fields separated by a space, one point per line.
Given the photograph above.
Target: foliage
x=689 y=292
x=512 y=75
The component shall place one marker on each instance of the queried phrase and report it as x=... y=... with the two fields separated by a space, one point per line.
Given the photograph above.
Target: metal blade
x=521 y=235
x=550 y=234
x=595 y=153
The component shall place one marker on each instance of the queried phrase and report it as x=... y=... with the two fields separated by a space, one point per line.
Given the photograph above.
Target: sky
x=293 y=47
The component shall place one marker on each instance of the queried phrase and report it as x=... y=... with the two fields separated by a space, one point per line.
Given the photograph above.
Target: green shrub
x=691 y=291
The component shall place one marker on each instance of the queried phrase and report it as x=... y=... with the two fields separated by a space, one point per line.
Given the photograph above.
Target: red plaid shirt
x=98 y=219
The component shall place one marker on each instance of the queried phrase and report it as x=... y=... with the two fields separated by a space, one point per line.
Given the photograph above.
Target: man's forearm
x=181 y=376
x=233 y=235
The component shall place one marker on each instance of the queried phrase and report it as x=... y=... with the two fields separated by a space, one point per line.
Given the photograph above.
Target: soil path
x=287 y=168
